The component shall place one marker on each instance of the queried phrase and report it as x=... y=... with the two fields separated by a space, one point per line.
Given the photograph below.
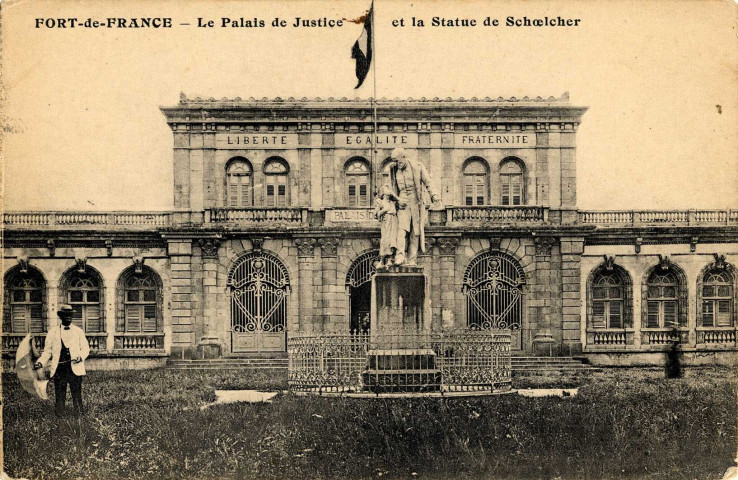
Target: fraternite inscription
x=495 y=140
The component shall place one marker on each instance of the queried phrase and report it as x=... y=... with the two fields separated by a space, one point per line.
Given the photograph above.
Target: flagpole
x=374 y=96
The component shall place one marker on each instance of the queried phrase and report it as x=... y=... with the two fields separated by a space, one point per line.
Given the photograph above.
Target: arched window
x=139 y=302
x=276 y=173
x=610 y=300
x=512 y=188
x=357 y=181
x=25 y=302
x=239 y=183
x=475 y=182
x=82 y=291
x=717 y=298
x=662 y=300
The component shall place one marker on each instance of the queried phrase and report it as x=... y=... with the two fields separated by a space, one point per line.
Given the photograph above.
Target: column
x=543 y=340
x=305 y=261
x=571 y=256
x=209 y=345
x=449 y=286
x=331 y=288
x=180 y=259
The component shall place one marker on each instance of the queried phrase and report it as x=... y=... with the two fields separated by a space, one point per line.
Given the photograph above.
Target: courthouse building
x=272 y=233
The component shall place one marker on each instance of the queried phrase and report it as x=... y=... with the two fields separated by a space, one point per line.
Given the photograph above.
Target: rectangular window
x=670 y=314
x=233 y=195
x=93 y=323
x=352 y=195
x=616 y=314
x=505 y=194
x=246 y=193
x=723 y=314
x=37 y=319
x=516 y=194
x=133 y=318
x=598 y=315
x=149 y=322
x=707 y=314
x=282 y=196
x=20 y=319
x=653 y=315
x=363 y=195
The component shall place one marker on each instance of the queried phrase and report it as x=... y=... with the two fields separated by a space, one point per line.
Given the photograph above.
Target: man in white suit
x=66 y=350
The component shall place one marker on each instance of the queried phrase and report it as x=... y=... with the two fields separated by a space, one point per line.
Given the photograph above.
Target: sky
x=83 y=130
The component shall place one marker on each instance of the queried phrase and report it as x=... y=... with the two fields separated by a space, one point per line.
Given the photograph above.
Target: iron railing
x=459 y=360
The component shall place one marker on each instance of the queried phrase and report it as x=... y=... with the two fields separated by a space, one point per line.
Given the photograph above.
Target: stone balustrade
x=302 y=216
x=498 y=214
x=124 y=220
x=136 y=341
x=257 y=215
x=659 y=217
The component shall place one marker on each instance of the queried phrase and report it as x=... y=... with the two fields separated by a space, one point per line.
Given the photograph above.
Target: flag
x=362 y=49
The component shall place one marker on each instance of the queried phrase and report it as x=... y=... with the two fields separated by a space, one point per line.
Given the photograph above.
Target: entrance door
x=493 y=285
x=359 y=287
x=259 y=286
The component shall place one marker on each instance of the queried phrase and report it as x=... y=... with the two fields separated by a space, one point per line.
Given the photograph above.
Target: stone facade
x=272 y=233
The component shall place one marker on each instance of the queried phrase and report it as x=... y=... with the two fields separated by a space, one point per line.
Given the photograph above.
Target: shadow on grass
x=147 y=424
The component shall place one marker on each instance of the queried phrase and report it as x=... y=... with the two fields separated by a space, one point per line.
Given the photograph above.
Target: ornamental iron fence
x=448 y=361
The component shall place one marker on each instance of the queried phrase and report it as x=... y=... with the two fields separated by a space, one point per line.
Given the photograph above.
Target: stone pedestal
x=399 y=302
x=401 y=357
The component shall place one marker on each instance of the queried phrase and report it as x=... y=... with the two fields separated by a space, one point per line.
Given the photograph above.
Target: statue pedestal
x=399 y=304
x=401 y=357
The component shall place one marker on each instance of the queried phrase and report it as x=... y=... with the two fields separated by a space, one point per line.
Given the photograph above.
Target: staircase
x=521 y=365
x=257 y=361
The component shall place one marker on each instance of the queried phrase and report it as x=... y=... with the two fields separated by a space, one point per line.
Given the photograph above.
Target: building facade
x=272 y=233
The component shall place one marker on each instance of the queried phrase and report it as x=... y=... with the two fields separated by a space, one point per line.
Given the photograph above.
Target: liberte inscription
x=256 y=140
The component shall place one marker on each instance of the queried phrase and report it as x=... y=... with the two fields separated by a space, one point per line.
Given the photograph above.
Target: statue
x=409 y=181
x=385 y=210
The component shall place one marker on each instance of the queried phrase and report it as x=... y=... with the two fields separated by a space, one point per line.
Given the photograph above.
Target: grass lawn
x=147 y=424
